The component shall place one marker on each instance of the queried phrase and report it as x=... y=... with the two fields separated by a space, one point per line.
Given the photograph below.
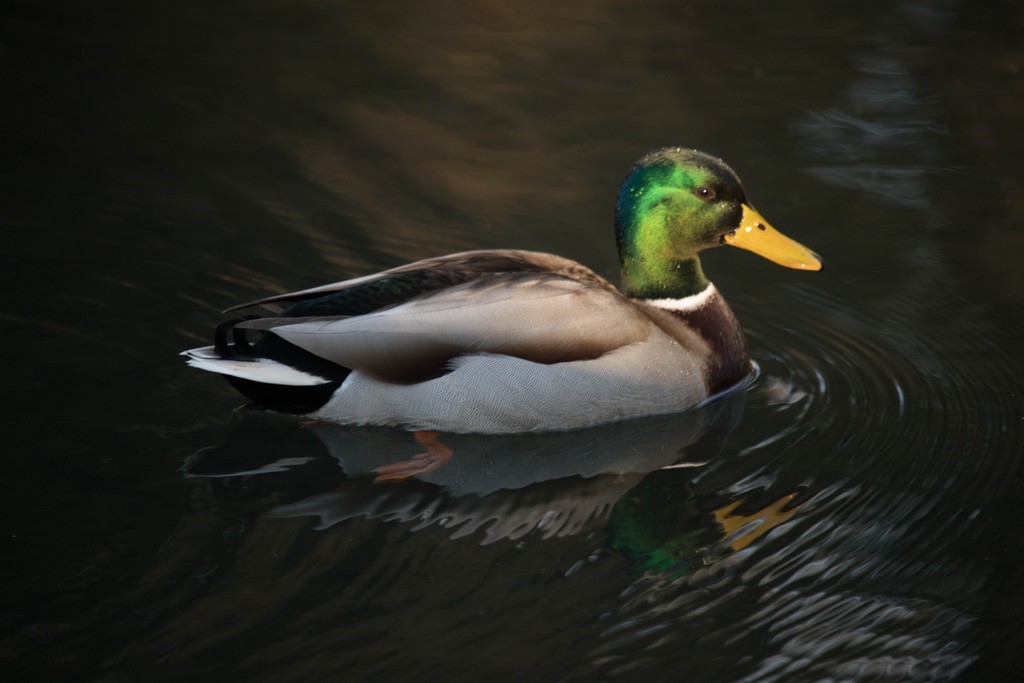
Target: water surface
x=851 y=515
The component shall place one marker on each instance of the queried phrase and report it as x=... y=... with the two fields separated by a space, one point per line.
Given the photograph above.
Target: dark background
x=162 y=161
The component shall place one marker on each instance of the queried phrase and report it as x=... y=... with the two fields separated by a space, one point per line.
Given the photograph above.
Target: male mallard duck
x=508 y=341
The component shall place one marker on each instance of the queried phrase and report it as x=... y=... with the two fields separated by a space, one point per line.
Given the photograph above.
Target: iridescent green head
x=674 y=204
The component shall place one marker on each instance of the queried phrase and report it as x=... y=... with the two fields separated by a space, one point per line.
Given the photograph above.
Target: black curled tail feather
x=241 y=348
x=232 y=342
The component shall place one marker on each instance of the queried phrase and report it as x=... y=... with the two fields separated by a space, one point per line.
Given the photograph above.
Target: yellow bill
x=756 y=235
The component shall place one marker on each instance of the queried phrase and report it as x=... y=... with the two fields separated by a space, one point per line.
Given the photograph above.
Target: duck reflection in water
x=395 y=574
x=630 y=480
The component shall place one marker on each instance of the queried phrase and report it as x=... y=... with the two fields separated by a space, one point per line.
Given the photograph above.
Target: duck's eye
x=705 y=193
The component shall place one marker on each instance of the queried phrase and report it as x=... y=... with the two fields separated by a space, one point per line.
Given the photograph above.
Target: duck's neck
x=645 y=278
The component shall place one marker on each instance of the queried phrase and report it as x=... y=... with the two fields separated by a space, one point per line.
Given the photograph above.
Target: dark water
x=854 y=515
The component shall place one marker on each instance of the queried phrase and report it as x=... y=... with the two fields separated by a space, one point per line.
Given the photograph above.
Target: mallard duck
x=503 y=341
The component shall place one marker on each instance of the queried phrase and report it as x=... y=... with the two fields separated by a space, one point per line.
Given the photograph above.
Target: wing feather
x=545 y=319
x=397 y=285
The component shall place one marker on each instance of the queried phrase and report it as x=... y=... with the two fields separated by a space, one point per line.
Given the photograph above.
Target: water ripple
x=879 y=449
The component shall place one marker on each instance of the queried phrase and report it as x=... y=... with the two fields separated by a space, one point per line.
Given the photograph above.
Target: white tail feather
x=261 y=370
